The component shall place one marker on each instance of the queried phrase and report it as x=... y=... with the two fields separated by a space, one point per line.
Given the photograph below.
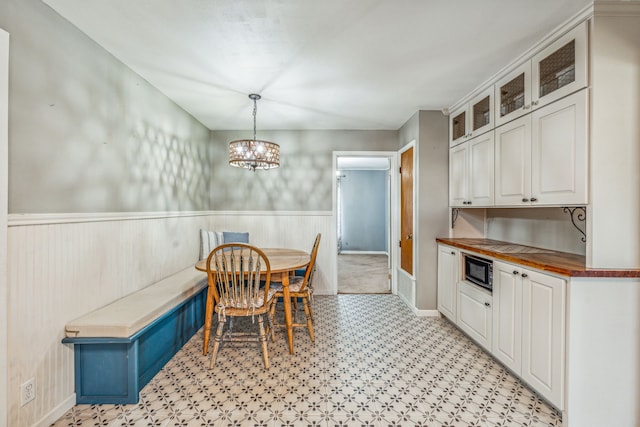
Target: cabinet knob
x=535 y=102
x=525 y=200
x=469 y=202
x=533 y=199
x=526 y=107
x=515 y=272
x=486 y=304
x=525 y=275
x=453 y=253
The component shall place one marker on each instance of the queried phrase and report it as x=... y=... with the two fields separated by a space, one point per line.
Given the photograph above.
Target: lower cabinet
x=474 y=313
x=529 y=327
x=448 y=272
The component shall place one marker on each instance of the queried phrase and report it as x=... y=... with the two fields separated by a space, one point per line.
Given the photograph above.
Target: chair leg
x=272 y=317
x=263 y=342
x=216 y=342
x=307 y=312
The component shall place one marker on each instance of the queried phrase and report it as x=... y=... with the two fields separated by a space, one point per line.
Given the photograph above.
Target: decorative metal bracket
x=454 y=216
x=578 y=213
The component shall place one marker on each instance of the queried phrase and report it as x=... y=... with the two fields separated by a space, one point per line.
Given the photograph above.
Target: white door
x=481 y=170
x=447 y=280
x=513 y=163
x=507 y=315
x=458 y=168
x=543 y=337
x=559 y=152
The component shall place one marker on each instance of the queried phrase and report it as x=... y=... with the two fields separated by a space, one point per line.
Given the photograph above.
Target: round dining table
x=284 y=262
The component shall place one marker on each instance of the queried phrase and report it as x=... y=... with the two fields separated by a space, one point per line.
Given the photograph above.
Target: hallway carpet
x=363 y=274
x=374 y=363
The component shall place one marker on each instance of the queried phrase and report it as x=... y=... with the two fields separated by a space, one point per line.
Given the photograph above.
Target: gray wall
x=86 y=134
x=364 y=220
x=430 y=130
x=303 y=182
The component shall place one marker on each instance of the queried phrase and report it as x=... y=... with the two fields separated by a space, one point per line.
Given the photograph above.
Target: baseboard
x=363 y=253
x=57 y=412
x=426 y=313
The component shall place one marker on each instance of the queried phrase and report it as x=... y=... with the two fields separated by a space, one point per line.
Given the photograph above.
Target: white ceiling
x=329 y=64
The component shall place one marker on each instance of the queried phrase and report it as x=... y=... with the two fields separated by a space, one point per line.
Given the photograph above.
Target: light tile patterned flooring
x=373 y=363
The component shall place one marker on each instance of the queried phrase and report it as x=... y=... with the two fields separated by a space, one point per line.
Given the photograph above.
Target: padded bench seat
x=118 y=348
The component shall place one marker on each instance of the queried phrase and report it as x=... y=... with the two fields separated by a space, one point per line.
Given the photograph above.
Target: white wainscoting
x=62 y=266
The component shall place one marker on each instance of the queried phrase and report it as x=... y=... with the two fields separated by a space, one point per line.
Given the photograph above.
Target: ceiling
x=330 y=64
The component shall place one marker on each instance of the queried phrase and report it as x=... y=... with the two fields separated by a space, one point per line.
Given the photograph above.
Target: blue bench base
x=114 y=370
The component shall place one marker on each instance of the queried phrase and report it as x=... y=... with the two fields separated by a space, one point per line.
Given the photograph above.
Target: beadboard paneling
x=60 y=268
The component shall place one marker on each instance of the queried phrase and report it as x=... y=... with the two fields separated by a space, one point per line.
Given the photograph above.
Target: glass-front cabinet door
x=513 y=94
x=561 y=68
x=472 y=119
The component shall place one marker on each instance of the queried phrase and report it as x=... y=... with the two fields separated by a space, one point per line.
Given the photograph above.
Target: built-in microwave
x=478 y=271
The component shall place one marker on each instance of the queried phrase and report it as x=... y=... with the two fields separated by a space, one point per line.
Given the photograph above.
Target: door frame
x=394 y=200
x=409 y=145
x=4 y=197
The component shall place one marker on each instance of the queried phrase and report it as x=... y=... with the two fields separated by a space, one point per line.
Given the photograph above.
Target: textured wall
x=303 y=182
x=86 y=134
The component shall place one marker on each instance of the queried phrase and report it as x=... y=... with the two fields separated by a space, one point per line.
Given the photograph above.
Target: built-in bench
x=118 y=348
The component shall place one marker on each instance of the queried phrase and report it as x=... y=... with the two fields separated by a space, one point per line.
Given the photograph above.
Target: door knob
x=409 y=236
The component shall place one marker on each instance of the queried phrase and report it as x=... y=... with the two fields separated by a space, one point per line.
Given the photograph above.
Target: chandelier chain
x=255 y=111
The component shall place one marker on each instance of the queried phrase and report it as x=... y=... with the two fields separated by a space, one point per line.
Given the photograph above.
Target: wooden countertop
x=563 y=263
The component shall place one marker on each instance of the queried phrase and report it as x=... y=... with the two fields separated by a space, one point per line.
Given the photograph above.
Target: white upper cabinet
x=559 y=152
x=513 y=163
x=472 y=119
x=561 y=68
x=513 y=94
x=553 y=73
x=541 y=158
x=471 y=172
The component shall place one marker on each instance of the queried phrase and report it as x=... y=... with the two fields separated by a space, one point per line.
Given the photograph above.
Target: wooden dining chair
x=299 y=287
x=239 y=279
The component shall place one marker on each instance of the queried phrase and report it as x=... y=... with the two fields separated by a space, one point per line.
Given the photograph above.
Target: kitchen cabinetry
x=448 y=271
x=543 y=334
x=553 y=73
x=541 y=158
x=472 y=119
x=471 y=172
x=474 y=313
x=507 y=315
x=528 y=327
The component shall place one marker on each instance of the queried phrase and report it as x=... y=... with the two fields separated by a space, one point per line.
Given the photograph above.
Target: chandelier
x=254 y=153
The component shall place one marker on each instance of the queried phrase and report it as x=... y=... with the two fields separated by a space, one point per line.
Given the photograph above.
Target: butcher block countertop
x=563 y=263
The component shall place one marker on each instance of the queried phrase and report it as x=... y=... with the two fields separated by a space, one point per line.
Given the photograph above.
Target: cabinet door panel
x=559 y=151
x=458 y=175
x=513 y=162
x=507 y=315
x=447 y=281
x=474 y=313
x=513 y=94
x=543 y=335
x=481 y=170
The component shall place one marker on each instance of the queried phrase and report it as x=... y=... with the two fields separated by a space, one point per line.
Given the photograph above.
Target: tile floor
x=373 y=363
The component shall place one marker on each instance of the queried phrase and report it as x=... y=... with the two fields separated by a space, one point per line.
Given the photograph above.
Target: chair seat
x=295 y=283
x=260 y=306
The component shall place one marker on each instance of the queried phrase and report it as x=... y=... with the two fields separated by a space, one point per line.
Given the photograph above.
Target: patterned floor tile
x=365 y=369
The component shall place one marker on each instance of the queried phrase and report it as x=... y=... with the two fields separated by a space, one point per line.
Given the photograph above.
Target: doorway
x=364 y=214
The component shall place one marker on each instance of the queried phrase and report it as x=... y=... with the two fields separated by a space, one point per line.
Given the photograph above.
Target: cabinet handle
x=533 y=199
x=515 y=272
x=525 y=275
x=486 y=304
x=525 y=200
